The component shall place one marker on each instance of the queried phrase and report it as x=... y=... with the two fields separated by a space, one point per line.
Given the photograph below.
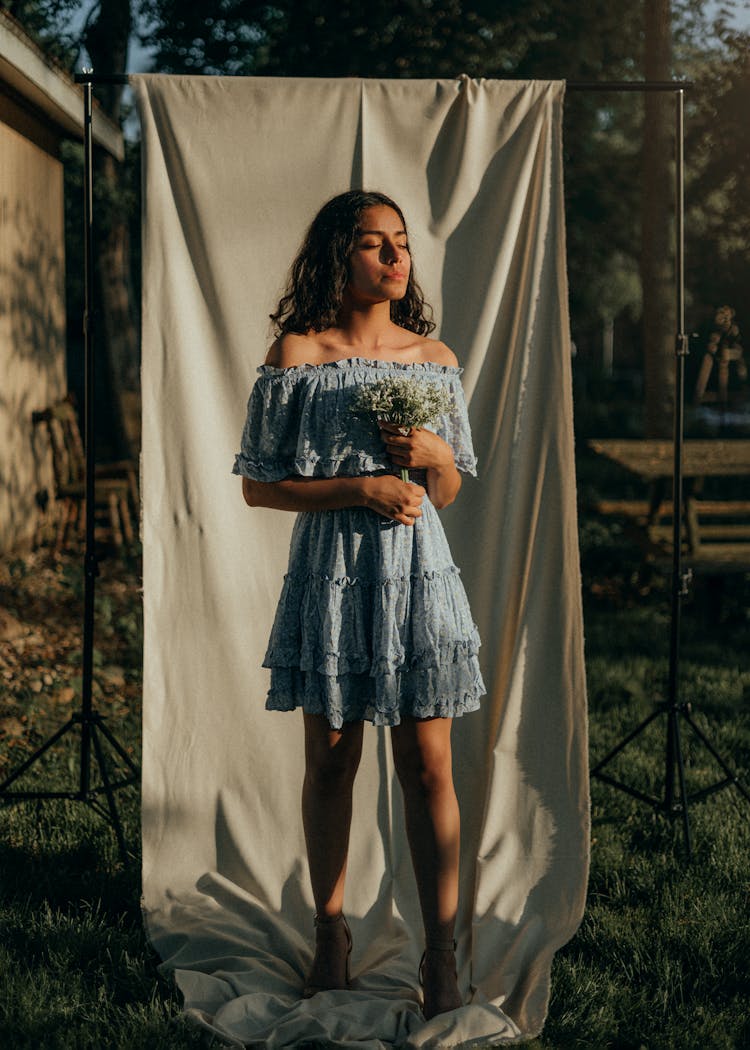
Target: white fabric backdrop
x=234 y=170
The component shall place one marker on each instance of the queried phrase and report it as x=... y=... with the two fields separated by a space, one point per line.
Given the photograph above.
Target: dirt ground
x=41 y=641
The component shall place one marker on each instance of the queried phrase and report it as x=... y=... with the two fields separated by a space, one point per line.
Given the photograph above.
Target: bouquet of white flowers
x=404 y=401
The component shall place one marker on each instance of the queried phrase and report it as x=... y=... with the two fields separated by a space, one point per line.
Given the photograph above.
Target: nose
x=391 y=251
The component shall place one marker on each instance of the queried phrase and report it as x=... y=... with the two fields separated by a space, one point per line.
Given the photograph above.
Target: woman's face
x=380 y=263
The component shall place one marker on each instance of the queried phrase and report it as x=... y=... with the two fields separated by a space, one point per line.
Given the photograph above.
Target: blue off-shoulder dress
x=373 y=622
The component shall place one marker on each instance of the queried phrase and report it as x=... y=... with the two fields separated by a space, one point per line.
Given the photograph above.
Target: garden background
x=660 y=960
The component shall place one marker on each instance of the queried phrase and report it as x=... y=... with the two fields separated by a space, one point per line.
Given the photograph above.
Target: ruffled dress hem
x=301 y=690
x=347 y=648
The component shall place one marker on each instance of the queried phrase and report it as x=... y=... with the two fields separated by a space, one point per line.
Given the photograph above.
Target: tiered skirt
x=373 y=622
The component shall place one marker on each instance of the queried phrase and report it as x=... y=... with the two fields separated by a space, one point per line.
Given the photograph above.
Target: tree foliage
x=393 y=38
x=718 y=167
x=49 y=23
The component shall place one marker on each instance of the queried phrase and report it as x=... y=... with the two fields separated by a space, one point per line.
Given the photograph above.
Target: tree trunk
x=657 y=256
x=107 y=44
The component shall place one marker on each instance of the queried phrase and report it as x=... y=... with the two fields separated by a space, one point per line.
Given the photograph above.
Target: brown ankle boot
x=438 y=978
x=333 y=947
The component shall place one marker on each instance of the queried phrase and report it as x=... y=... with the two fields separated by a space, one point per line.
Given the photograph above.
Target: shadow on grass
x=76 y=874
x=76 y=969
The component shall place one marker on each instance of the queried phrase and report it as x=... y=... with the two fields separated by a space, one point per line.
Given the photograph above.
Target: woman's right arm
x=384 y=493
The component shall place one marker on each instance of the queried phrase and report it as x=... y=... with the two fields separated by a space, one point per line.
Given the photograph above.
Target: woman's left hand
x=419 y=448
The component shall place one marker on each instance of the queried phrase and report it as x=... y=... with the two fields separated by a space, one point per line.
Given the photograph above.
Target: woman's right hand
x=394 y=498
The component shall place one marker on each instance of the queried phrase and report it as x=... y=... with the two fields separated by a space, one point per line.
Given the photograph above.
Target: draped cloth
x=234 y=170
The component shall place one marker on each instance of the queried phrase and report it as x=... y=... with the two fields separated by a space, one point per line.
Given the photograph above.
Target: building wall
x=32 y=325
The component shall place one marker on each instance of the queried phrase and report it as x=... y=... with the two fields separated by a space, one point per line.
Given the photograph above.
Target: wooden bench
x=715 y=532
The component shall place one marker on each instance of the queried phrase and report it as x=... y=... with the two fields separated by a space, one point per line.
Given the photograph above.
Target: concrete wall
x=32 y=325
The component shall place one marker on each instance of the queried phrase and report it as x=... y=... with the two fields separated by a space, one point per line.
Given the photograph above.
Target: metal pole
x=625 y=85
x=88 y=76
x=674 y=743
x=90 y=567
x=570 y=85
x=680 y=352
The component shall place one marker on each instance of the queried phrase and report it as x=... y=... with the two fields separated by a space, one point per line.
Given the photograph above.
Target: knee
x=424 y=768
x=333 y=768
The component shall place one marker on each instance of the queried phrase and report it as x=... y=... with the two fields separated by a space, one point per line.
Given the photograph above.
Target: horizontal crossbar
x=570 y=85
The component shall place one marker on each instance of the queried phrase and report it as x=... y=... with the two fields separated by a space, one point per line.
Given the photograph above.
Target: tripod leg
x=37 y=754
x=732 y=776
x=624 y=743
x=117 y=746
x=114 y=815
x=674 y=715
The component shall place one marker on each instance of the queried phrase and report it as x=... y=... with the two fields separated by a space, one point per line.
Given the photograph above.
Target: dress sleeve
x=298 y=424
x=456 y=430
x=270 y=437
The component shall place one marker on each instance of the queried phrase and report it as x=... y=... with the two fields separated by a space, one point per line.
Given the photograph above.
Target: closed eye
x=401 y=247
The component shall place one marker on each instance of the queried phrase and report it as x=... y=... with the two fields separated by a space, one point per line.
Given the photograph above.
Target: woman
x=373 y=623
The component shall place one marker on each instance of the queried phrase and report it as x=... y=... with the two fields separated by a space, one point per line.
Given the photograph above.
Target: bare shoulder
x=290 y=350
x=438 y=352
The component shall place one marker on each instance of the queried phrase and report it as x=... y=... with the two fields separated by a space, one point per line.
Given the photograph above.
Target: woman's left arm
x=443 y=484
x=428 y=451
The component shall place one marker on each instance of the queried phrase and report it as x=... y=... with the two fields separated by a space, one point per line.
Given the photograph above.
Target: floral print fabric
x=373 y=622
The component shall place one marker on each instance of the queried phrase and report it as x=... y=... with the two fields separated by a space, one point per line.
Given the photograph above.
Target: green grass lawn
x=660 y=960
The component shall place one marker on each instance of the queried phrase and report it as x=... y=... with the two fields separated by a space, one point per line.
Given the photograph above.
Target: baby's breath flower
x=402 y=400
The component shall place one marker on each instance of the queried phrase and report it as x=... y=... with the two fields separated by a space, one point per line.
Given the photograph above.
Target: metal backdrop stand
x=675 y=800
x=94 y=733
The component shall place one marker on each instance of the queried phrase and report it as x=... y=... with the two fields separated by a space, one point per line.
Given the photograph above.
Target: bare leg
x=422 y=755
x=331 y=762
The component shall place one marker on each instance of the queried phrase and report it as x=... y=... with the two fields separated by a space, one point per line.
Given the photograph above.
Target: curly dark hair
x=319 y=274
